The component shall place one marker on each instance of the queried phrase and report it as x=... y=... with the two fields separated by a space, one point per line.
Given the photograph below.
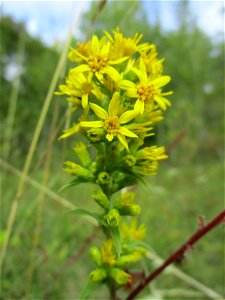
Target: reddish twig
x=178 y=253
x=176 y=141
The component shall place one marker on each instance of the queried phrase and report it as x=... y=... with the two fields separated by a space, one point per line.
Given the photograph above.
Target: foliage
x=189 y=184
x=36 y=71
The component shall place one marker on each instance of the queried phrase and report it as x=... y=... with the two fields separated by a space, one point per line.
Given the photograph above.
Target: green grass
x=177 y=196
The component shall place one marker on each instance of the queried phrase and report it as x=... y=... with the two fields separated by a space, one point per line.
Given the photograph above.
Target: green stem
x=112 y=290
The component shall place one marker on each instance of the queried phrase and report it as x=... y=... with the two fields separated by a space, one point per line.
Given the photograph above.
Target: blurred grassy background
x=42 y=260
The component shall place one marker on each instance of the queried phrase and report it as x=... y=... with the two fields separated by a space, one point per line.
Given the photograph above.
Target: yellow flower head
x=98 y=60
x=146 y=91
x=108 y=255
x=123 y=46
x=112 y=122
x=130 y=231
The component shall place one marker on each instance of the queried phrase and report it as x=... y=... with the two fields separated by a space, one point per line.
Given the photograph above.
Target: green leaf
x=141 y=180
x=117 y=239
x=89 y=289
x=71 y=183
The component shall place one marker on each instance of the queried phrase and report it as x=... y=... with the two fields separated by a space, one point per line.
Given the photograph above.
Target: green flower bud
x=130 y=210
x=96 y=255
x=129 y=259
x=129 y=161
x=77 y=170
x=101 y=198
x=103 y=178
x=113 y=218
x=119 y=276
x=127 y=198
x=95 y=134
x=82 y=153
x=98 y=275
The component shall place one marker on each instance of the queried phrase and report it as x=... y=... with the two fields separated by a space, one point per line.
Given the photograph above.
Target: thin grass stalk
x=155 y=258
x=33 y=145
x=50 y=140
x=41 y=198
x=52 y=195
x=13 y=99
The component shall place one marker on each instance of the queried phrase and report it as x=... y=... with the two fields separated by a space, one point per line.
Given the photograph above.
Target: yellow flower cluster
x=117 y=87
x=117 y=92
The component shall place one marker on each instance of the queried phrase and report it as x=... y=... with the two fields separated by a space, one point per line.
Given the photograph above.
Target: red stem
x=178 y=253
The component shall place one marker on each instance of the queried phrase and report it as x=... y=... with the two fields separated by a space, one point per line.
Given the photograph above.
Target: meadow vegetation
x=47 y=254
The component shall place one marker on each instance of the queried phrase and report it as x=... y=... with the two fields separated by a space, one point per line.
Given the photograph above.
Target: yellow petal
x=109 y=137
x=161 y=101
x=80 y=69
x=95 y=44
x=167 y=93
x=139 y=106
x=126 y=84
x=139 y=74
x=73 y=53
x=127 y=116
x=84 y=100
x=97 y=93
x=161 y=81
x=132 y=93
x=127 y=132
x=99 y=111
x=114 y=104
x=119 y=60
x=108 y=36
x=123 y=140
x=112 y=73
x=143 y=70
x=99 y=76
x=92 y=124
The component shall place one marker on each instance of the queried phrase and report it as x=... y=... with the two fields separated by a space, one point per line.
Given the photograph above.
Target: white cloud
x=49 y=20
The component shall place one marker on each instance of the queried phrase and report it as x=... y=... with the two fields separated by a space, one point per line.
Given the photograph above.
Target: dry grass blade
x=41 y=197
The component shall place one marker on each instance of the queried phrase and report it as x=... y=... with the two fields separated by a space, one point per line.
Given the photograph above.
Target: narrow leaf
x=71 y=183
x=89 y=289
x=117 y=239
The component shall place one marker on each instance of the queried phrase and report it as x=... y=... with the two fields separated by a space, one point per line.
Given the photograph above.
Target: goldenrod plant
x=117 y=90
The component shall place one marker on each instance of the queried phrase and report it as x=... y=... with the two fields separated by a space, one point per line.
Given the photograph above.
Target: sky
x=51 y=19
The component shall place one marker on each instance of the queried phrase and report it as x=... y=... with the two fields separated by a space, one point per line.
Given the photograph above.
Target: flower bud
x=129 y=161
x=119 y=276
x=127 y=198
x=130 y=210
x=129 y=259
x=113 y=218
x=98 y=275
x=95 y=134
x=82 y=153
x=103 y=178
x=101 y=198
x=96 y=255
x=77 y=170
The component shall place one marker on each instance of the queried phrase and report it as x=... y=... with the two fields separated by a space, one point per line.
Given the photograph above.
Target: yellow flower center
x=145 y=92
x=97 y=62
x=112 y=125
